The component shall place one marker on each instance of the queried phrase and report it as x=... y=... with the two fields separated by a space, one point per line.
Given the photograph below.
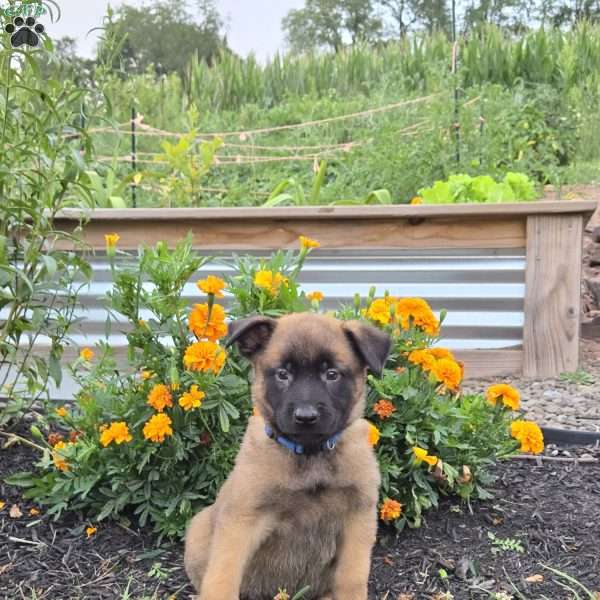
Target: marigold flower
x=202 y=326
x=390 y=510
x=269 y=281
x=422 y=456
x=59 y=461
x=438 y=353
x=160 y=397
x=145 y=375
x=191 y=399
x=384 y=408
x=379 y=311
x=142 y=323
x=501 y=391
x=117 y=432
x=448 y=372
x=61 y=411
x=90 y=531
x=422 y=358
x=212 y=285
x=529 y=434
x=158 y=427
x=418 y=312
x=54 y=438
x=306 y=242
x=315 y=296
x=112 y=239
x=86 y=354
x=74 y=436
x=374 y=435
x=33 y=512
x=416 y=200
x=204 y=356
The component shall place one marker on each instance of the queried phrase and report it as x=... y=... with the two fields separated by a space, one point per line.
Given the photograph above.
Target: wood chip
x=15 y=512
x=538 y=578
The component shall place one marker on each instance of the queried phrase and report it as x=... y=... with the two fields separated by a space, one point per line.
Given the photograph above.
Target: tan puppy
x=300 y=506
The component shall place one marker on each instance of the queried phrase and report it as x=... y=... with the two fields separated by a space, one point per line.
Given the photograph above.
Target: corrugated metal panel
x=483 y=290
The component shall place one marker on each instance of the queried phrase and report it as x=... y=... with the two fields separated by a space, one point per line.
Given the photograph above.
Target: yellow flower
x=315 y=296
x=202 y=326
x=384 y=409
x=390 y=510
x=158 y=427
x=529 y=434
x=145 y=375
x=191 y=399
x=117 y=432
x=379 y=311
x=59 y=461
x=159 y=397
x=374 y=435
x=142 y=323
x=112 y=239
x=90 y=531
x=307 y=243
x=418 y=312
x=269 y=281
x=204 y=356
x=34 y=512
x=417 y=200
x=438 y=353
x=86 y=354
x=211 y=285
x=61 y=412
x=448 y=372
x=509 y=395
x=422 y=456
x=422 y=358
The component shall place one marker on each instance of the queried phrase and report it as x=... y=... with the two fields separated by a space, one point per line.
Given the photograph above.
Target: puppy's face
x=309 y=371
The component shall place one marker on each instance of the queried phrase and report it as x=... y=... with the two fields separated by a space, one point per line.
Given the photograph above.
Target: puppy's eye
x=332 y=375
x=282 y=374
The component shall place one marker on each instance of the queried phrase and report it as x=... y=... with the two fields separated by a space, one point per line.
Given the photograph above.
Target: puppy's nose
x=306 y=415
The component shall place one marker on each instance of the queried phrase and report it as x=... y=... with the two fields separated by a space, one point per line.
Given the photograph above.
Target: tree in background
x=331 y=24
x=166 y=34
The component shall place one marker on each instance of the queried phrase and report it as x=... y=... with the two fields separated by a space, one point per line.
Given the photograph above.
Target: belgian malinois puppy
x=300 y=506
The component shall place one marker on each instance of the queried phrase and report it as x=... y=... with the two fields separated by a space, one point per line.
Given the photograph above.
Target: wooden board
x=552 y=295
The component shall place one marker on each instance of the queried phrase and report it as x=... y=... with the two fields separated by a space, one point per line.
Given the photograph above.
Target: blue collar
x=329 y=444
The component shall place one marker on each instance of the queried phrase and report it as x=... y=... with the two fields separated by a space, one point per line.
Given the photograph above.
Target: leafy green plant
x=43 y=158
x=580 y=377
x=505 y=544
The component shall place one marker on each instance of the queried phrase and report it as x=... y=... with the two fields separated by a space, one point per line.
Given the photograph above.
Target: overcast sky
x=253 y=25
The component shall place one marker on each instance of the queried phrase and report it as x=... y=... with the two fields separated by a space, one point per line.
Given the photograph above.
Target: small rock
x=551 y=395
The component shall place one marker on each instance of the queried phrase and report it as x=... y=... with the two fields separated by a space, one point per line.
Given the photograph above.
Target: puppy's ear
x=370 y=344
x=251 y=334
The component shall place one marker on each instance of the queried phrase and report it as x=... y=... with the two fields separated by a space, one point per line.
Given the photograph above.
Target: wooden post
x=552 y=294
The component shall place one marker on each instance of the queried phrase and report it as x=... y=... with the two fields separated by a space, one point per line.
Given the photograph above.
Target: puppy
x=300 y=506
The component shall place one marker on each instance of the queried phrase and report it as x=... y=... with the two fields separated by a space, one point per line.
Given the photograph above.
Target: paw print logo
x=24 y=32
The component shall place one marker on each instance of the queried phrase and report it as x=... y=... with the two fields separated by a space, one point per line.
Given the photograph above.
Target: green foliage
x=579 y=377
x=505 y=544
x=464 y=188
x=44 y=156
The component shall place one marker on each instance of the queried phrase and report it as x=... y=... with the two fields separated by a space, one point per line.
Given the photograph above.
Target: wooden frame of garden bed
x=551 y=233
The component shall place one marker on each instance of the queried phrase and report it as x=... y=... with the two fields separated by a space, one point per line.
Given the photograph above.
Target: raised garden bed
x=547 y=235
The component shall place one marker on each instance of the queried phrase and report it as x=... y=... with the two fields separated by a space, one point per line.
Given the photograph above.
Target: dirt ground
x=543 y=514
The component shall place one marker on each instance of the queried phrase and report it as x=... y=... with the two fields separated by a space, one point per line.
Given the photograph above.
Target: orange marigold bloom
x=374 y=435
x=379 y=311
x=422 y=358
x=210 y=328
x=212 y=285
x=158 y=427
x=509 y=396
x=416 y=200
x=417 y=311
x=160 y=397
x=61 y=411
x=204 y=356
x=315 y=296
x=191 y=399
x=306 y=242
x=448 y=372
x=422 y=456
x=384 y=408
x=145 y=375
x=390 y=510
x=529 y=434
x=112 y=239
x=54 y=438
x=58 y=459
x=438 y=353
x=90 y=531
x=74 y=436
x=87 y=354
x=117 y=432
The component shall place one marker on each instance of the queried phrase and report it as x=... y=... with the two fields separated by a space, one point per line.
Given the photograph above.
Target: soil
x=548 y=509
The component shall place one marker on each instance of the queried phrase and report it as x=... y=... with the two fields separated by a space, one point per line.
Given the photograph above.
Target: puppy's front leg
x=234 y=543
x=354 y=557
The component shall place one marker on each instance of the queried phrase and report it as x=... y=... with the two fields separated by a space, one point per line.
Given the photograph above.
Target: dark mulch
x=552 y=510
